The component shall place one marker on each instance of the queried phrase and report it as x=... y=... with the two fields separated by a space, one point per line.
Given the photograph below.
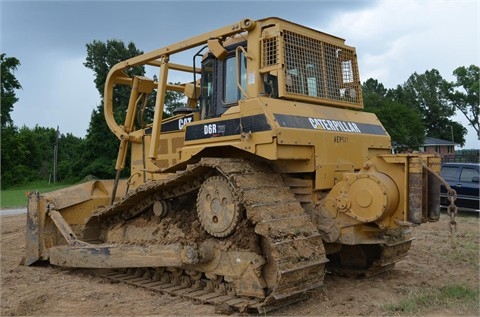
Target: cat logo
x=334 y=125
x=183 y=121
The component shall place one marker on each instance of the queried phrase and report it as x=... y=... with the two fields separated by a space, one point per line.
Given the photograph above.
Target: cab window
x=207 y=96
x=231 y=92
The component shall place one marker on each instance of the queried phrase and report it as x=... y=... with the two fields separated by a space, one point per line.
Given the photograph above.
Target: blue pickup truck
x=463 y=178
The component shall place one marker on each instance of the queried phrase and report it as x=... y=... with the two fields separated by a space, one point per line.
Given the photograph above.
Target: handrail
x=116 y=74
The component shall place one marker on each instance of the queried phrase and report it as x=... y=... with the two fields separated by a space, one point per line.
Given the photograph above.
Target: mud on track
x=45 y=290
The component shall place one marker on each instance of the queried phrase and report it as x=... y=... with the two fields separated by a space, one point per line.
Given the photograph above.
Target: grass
x=17 y=197
x=467 y=249
x=452 y=297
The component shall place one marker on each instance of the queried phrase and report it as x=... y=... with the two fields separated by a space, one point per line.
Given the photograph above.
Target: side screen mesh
x=313 y=67
x=271 y=52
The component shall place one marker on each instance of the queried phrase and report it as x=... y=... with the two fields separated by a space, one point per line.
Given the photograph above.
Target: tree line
x=423 y=105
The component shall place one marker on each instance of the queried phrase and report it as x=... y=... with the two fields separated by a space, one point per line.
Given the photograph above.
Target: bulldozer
x=269 y=176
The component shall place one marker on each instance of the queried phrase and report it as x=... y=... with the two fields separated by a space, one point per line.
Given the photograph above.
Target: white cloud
x=397 y=38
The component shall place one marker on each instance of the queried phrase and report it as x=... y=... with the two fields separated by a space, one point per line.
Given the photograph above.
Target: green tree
x=39 y=143
x=69 y=151
x=426 y=93
x=13 y=154
x=29 y=156
x=8 y=86
x=464 y=94
x=100 y=147
x=401 y=122
x=11 y=151
x=102 y=56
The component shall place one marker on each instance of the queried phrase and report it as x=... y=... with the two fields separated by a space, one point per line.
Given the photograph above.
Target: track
x=202 y=291
x=290 y=245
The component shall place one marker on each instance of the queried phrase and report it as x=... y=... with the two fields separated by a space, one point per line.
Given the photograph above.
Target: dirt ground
x=49 y=291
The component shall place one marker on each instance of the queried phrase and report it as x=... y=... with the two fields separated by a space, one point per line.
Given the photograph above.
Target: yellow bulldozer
x=270 y=175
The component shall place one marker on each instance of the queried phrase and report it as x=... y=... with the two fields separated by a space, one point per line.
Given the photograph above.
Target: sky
x=393 y=38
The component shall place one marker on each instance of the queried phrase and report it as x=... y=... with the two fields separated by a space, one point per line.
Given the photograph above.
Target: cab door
x=223 y=82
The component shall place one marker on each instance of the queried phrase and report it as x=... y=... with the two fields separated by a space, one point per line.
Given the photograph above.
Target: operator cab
x=223 y=81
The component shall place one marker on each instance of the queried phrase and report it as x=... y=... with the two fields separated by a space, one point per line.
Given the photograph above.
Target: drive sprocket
x=217 y=208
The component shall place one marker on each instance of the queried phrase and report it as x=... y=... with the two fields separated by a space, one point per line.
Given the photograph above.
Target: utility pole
x=55 y=156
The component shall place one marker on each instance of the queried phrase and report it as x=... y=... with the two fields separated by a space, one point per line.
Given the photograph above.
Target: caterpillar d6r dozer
x=268 y=177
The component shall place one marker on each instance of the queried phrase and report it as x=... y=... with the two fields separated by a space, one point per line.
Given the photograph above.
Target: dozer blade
x=33 y=230
x=58 y=217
